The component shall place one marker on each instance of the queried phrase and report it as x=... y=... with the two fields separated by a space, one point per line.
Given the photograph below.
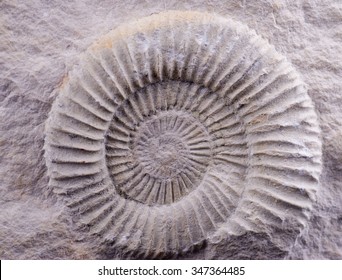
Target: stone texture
x=42 y=42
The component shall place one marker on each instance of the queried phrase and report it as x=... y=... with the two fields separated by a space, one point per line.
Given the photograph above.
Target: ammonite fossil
x=177 y=125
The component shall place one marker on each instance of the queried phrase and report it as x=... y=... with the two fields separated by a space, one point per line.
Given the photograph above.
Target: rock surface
x=41 y=43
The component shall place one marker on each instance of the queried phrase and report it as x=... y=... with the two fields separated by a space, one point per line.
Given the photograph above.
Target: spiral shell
x=179 y=124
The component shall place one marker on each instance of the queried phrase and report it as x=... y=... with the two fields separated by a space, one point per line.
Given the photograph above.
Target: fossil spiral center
x=164 y=155
x=168 y=152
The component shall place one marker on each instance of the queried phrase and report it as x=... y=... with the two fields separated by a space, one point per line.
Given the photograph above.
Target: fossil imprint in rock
x=180 y=124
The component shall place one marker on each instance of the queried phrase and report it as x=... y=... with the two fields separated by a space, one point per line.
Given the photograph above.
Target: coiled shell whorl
x=177 y=125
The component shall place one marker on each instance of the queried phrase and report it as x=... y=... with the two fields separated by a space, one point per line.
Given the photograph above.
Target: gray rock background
x=40 y=41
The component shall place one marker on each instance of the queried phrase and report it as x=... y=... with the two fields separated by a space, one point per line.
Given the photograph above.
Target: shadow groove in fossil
x=178 y=125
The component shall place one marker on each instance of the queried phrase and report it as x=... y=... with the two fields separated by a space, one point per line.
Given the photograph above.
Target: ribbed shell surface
x=178 y=124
